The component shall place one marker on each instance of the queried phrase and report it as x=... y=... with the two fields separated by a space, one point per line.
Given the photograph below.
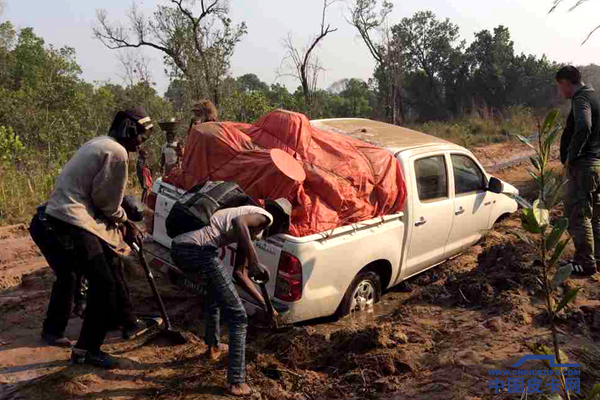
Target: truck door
x=432 y=212
x=472 y=204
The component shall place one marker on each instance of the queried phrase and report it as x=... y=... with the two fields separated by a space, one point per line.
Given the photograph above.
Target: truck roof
x=380 y=133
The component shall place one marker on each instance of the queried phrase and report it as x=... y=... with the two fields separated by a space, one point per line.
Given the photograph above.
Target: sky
x=343 y=54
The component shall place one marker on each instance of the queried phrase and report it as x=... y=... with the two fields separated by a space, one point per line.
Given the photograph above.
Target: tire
x=363 y=293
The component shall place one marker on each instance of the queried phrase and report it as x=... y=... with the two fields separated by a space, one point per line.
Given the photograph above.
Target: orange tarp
x=347 y=180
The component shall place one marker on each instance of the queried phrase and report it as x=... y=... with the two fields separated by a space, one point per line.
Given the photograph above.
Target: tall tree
x=491 y=58
x=532 y=82
x=357 y=96
x=197 y=38
x=280 y=97
x=8 y=40
x=368 y=20
x=303 y=64
x=252 y=83
x=430 y=48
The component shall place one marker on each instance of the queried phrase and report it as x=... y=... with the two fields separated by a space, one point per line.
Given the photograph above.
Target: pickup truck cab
x=451 y=202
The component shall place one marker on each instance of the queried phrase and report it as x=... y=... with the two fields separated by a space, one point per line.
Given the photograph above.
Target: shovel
x=168 y=331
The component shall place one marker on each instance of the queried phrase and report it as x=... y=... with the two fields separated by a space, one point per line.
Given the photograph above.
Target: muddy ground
x=434 y=337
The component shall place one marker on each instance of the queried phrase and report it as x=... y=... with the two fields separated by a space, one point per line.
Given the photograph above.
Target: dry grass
x=24 y=188
x=479 y=131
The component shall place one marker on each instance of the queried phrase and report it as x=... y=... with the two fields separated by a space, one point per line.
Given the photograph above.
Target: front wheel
x=363 y=293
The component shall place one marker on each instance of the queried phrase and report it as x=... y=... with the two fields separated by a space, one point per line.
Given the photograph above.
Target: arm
x=582 y=128
x=108 y=188
x=240 y=274
x=247 y=252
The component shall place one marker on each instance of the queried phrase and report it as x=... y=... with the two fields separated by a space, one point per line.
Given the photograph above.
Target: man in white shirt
x=197 y=251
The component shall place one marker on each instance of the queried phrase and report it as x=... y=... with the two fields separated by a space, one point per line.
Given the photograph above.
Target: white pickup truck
x=451 y=202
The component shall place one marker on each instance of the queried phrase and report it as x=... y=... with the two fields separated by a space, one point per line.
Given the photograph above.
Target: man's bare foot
x=214 y=353
x=241 y=389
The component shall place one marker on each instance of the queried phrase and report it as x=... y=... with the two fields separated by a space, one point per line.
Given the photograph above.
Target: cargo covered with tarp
x=346 y=180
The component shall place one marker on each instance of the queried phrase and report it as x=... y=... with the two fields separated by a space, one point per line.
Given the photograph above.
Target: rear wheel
x=363 y=293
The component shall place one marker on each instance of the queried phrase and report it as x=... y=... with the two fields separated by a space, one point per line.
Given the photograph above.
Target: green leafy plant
x=11 y=146
x=536 y=220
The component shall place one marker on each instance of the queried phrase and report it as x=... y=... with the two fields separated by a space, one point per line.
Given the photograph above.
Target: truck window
x=467 y=175
x=432 y=180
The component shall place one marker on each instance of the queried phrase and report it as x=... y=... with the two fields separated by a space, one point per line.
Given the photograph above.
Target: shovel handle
x=150 y=277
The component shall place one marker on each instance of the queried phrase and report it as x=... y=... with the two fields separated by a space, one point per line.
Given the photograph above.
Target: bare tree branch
x=364 y=18
x=590 y=34
x=386 y=53
x=135 y=66
x=306 y=70
x=194 y=44
x=578 y=3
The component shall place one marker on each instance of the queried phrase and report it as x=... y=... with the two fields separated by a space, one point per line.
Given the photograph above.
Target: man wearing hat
x=90 y=227
x=197 y=251
x=170 y=154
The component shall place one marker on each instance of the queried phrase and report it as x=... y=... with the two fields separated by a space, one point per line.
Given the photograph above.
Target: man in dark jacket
x=580 y=154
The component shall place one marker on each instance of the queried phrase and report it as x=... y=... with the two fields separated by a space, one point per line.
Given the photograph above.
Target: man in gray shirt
x=83 y=228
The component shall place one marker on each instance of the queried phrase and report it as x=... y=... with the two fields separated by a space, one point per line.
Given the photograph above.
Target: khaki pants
x=582 y=207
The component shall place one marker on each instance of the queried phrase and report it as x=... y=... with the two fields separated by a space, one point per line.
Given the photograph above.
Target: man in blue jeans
x=197 y=251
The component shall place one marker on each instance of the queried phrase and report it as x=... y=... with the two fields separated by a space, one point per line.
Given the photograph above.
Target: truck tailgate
x=268 y=251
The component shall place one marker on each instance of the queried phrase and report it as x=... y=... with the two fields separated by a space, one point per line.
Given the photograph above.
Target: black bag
x=195 y=208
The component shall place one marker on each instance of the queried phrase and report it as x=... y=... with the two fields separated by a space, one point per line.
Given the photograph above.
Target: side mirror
x=495 y=185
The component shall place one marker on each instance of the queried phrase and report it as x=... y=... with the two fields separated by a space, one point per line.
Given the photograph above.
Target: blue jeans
x=221 y=295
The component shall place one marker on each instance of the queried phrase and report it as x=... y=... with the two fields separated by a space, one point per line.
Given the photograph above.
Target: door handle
x=487 y=204
x=422 y=221
x=460 y=211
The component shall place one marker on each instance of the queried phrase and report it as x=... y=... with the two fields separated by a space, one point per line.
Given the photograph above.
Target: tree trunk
x=393 y=105
x=216 y=96
x=397 y=109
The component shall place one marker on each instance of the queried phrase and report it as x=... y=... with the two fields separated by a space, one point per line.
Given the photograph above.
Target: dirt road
x=433 y=338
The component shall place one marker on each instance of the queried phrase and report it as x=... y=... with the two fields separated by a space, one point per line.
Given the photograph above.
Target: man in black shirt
x=580 y=154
